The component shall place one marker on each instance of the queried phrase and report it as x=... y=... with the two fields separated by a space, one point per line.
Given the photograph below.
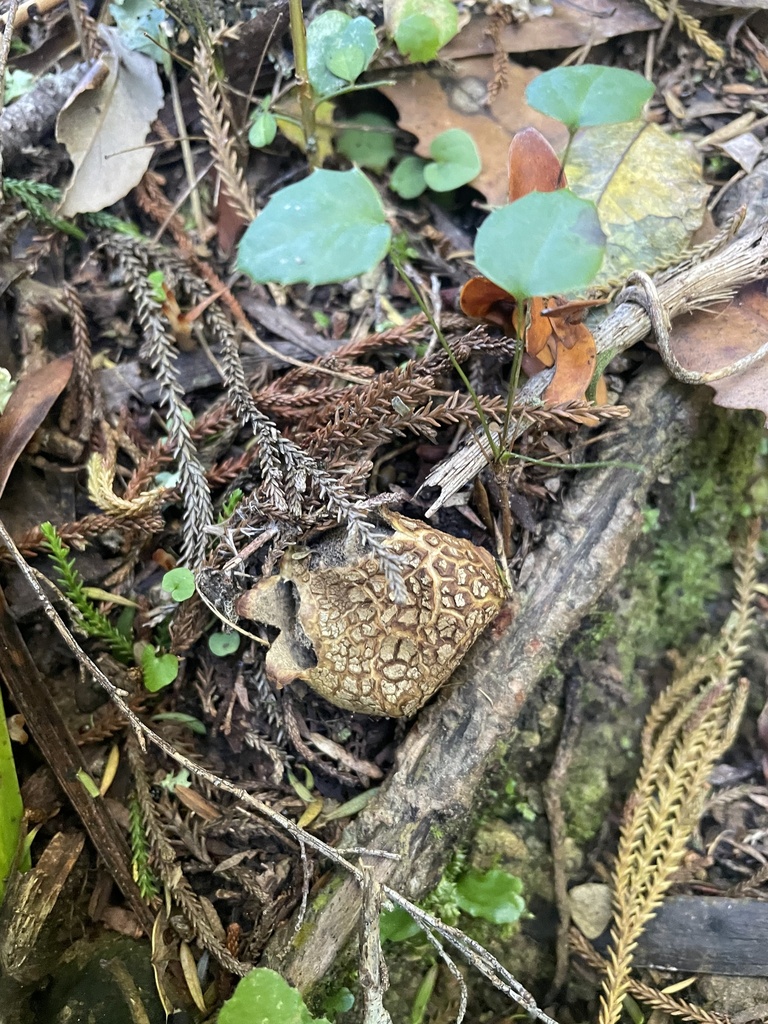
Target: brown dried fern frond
x=653 y=997
x=83 y=390
x=688 y=24
x=690 y=727
x=164 y=861
x=218 y=131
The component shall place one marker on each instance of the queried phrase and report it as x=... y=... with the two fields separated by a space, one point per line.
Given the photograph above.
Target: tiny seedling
x=263 y=126
x=179 y=583
x=492 y=895
x=371 y=144
x=421 y=28
x=223 y=644
x=159 y=670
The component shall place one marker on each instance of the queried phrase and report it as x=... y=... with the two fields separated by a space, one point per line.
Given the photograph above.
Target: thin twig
x=641 y=289
x=553 y=803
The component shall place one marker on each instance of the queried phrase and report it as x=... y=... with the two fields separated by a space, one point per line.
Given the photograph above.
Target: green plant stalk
x=11 y=809
x=564 y=158
x=419 y=300
x=306 y=96
x=519 y=319
x=611 y=463
x=346 y=89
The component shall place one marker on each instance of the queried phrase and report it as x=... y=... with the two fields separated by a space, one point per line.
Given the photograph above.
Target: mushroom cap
x=344 y=636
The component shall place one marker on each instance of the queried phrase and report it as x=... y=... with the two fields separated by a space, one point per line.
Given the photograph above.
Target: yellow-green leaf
x=290 y=125
x=648 y=190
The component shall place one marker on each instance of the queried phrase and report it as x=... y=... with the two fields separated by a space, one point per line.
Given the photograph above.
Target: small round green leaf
x=339 y=48
x=329 y=227
x=396 y=925
x=373 y=149
x=263 y=130
x=418 y=38
x=547 y=243
x=347 y=62
x=179 y=583
x=222 y=644
x=492 y=895
x=421 y=28
x=159 y=670
x=264 y=997
x=408 y=177
x=589 y=95
x=456 y=161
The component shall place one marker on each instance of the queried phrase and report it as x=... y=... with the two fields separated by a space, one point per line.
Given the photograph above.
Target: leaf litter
x=277 y=456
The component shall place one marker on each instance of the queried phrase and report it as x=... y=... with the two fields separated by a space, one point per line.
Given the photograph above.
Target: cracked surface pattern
x=374 y=656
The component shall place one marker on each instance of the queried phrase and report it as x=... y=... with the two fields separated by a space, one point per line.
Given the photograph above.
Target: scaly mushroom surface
x=341 y=633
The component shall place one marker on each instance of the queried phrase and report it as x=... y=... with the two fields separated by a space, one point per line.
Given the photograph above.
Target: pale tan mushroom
x=343 y=635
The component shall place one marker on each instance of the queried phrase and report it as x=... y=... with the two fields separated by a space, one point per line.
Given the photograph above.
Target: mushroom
x=344 y=636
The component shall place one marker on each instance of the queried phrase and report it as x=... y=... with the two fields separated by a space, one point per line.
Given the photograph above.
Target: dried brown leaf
x=27 y=408
x=706 y=341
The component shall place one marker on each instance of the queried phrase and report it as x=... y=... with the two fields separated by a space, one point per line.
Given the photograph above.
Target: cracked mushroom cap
x=341 y=633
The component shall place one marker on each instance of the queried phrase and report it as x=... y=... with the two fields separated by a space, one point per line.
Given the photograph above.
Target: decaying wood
x=688 y=287
x=46 y=724
x=424 y=807
x=33 y=115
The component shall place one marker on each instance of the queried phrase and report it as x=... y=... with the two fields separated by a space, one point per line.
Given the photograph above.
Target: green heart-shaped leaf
x=159 y=670
x=547 y=243
x=492 y=895
x=347 y=62
x=263 y=130
x=329 y=227
x=222 y=644
x=408 y=177
x=372 y=149
x=264 y=997
x=589 y=95
x=456 y=161
x=339 y=49
x=421 y=28
x=179 y=583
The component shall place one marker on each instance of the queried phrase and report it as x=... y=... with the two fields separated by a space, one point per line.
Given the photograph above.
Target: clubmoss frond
x=91 y=620
x=34 y=197
x=218 y=131
x=673 y=1005
x=688 y=24
x=159 y=351
x=691 y=725
x=140 y=853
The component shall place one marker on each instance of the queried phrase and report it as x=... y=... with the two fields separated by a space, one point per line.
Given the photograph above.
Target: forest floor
x=534 y=502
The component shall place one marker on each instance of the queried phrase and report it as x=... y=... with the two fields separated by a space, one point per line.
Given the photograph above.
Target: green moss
x=716 y=487
x=587 y=798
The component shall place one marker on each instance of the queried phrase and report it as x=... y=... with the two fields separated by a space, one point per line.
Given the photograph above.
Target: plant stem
x=562 y=181
x=519 y=319
x=419 y=299
x=306 y=96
